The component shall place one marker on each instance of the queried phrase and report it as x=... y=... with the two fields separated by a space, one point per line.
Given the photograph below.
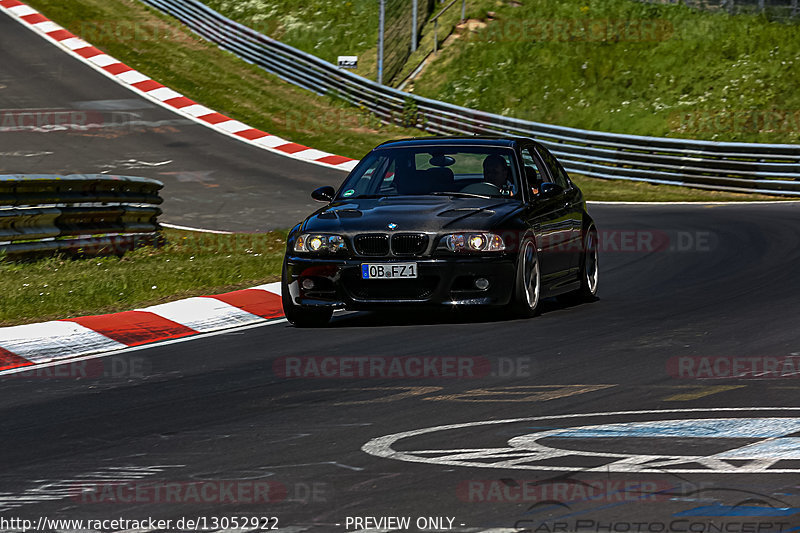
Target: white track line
x=201 y=230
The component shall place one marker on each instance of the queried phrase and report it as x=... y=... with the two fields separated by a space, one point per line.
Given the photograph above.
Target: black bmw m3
x=443 y=221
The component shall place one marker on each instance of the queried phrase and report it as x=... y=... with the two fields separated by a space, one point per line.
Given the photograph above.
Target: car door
x=546 y=215
x=570 y=204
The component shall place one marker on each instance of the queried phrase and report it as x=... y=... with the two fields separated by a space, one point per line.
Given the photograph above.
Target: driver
x=496 y=172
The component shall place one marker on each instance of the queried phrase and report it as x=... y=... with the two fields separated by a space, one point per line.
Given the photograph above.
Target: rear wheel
x=589 y=272
x=528 y=286
x=299 y=316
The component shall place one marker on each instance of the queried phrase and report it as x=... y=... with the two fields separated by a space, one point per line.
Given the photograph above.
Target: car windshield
x=458 y=171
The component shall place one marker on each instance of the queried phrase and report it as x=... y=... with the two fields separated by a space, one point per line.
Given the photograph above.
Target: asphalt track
x=107 y=437
x=211 y=181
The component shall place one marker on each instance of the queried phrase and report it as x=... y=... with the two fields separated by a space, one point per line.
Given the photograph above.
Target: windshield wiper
x=459 y=194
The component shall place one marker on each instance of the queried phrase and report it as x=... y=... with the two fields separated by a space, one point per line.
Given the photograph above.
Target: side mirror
x=549 y=189
x=324 y=194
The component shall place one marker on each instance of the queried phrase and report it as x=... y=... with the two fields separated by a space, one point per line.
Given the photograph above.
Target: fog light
x=308 y=284
x=482 y=284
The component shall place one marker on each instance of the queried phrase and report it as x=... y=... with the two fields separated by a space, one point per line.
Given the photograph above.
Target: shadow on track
x=419 y=317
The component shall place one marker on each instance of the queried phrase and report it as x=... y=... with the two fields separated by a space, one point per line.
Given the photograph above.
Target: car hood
x=411 y=213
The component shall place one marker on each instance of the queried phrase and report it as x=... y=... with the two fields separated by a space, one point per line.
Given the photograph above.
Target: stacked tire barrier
x=739 y=167
x=91 y=214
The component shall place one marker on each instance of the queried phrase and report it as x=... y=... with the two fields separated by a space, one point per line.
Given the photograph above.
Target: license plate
x=388 y=270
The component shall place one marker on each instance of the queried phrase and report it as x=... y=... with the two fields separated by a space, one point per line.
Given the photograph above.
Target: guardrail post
x=463 y=10
x=381 y=22
x=435 y=35
x=414 y=9
x=794 y=8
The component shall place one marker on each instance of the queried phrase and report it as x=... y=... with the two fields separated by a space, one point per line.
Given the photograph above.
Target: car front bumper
x=441 y=281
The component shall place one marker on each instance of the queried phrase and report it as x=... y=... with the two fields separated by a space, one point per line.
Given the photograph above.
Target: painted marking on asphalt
x=403 y=394
x=523 y=393
x=200 y=230
x=732 y=428
x=48 y=490
x=526 y=451
x=398 y=393
x=701 y=392
x=719 y=510
x=783 y=448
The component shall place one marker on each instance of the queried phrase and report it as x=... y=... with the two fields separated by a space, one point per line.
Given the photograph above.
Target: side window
x=556 y=170
x=533 y=171
x=365 y=180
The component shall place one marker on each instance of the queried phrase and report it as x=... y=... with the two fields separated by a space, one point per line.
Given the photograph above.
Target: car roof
x=474 y=140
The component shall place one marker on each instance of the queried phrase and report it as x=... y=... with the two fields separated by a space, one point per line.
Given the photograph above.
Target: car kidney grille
x=409 y=244
x=377 y=244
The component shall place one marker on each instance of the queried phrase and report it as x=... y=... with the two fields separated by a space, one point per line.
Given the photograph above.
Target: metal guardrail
x=740 y=167
x=91 y=214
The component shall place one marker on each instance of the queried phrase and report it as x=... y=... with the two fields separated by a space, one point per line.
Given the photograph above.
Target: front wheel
x=299 y=316
x=528 y=285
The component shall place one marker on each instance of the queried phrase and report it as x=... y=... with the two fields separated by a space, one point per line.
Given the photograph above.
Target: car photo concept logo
x=729 y=441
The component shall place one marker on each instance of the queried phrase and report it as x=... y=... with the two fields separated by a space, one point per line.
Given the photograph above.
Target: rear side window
x=556 y=170
x=533 y=170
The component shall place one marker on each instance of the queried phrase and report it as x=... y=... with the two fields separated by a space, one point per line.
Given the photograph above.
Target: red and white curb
x=46 y=342
x=164 y=96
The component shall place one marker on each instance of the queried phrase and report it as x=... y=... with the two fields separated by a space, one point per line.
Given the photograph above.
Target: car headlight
x=319 y=243
x=474 y=242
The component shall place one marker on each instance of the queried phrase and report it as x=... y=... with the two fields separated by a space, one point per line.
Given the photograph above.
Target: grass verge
x=163 y=49
x=628 y=67
x=601 y=190
x=191 y=264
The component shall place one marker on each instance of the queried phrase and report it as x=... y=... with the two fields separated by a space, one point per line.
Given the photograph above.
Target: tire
x=299 y=316
x=589 y=272
x=528 y=283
